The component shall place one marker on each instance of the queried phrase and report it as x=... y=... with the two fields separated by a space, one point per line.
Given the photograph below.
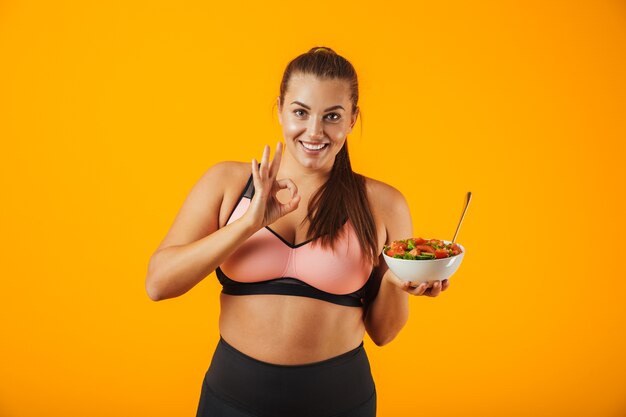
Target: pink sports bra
x=267 y=264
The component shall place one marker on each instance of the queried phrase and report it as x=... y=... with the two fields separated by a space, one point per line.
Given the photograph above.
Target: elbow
x=378 y=341
x=384 y=333
x=383 y=340
x=153 y=293
x=152 y=289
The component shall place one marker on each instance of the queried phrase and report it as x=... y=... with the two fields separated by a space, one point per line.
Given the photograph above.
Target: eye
x=334 y=119
x=299 y=112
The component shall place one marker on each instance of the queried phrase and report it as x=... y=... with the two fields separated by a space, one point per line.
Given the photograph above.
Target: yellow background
x=111 y=111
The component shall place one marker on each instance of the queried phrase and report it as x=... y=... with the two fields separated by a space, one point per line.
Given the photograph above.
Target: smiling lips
x=311 y=146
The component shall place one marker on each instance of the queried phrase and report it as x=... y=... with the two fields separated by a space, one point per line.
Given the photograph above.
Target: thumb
x=291 y=205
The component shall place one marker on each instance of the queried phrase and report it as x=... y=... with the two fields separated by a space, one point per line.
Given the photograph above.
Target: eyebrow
x=328 y=109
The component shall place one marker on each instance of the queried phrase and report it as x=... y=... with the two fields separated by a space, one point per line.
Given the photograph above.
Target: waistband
x=324 y=388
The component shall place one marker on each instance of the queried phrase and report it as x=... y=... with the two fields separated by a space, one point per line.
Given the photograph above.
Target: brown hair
x=343 y=196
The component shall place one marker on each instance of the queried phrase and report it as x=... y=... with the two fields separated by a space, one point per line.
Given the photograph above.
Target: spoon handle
x=469 y=197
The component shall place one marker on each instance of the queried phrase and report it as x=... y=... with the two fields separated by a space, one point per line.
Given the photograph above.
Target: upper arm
x=199 y=214
x=397 y=216
x=392 y=208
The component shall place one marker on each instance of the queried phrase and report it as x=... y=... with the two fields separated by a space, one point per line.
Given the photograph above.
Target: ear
x=353 y=120
x=280 y=116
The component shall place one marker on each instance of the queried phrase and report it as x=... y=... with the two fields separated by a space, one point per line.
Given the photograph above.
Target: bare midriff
x=289 y=330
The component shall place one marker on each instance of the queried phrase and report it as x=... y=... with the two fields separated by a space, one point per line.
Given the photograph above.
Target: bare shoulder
x=391 y=207
x=381 y=195
x=226 y=179
x=203 y=210
x=220 y=178
x=226 y=171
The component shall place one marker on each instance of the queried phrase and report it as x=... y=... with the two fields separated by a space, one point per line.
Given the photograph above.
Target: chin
x=311 y=164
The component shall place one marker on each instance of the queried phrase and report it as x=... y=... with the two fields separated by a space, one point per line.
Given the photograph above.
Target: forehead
x=312 y=90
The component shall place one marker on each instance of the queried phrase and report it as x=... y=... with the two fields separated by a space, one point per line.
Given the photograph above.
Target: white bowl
x=424 y=270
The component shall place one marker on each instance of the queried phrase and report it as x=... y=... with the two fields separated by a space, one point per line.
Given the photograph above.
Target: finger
x=291 y=205
x=255 y=169
x=264 y=161
x=418 y=290
x=276 y=161
x=421 y=289
x=435 y=290
x=290 y=185
x=428 y=284
x=445 y=284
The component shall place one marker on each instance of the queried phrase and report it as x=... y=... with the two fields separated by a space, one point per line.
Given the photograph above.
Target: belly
x=289 y=330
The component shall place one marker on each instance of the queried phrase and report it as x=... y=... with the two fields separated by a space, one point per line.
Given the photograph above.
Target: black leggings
x=237 y=385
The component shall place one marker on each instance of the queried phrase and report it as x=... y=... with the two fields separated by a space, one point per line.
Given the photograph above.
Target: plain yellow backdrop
x=111 y=111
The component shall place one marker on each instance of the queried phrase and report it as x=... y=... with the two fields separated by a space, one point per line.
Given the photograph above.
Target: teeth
x=313 y=147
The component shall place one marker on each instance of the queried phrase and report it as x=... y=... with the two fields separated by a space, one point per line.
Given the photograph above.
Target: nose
x=316 y=130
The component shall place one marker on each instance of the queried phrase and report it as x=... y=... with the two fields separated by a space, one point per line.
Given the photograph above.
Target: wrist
x=249 y=226
x=394 y=283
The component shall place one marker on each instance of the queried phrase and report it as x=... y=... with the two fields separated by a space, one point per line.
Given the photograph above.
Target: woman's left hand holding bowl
x=430 y=288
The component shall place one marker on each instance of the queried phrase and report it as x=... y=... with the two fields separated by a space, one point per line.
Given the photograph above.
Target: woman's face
x=316 y=114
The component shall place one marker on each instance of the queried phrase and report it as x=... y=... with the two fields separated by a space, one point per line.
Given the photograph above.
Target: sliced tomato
x=425 y=248
x=419 y=241
x=436 y=243
x=395 y=251
x=441 y=253
x=399 y=245
x=454 y=249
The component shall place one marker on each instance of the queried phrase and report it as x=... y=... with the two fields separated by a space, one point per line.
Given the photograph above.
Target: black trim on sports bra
x=289 y=243
x=249 y=190
x=290 y=286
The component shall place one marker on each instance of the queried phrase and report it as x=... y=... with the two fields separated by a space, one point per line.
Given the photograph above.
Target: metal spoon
x=469 y=197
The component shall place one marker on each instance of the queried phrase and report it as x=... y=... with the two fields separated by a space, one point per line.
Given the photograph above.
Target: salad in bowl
x=422 y=260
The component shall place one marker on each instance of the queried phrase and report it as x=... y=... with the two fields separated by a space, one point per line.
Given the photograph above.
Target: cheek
x=291 y=127
x=339 y=135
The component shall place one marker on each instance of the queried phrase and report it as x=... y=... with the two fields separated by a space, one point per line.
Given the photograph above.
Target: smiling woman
x=295 y=242
x=321 y=93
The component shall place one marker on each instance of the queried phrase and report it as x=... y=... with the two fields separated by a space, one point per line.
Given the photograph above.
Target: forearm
x=388 y=313
x=175 y=270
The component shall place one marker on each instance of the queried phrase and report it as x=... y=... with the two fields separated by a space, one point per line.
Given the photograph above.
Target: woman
x=296 y=242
